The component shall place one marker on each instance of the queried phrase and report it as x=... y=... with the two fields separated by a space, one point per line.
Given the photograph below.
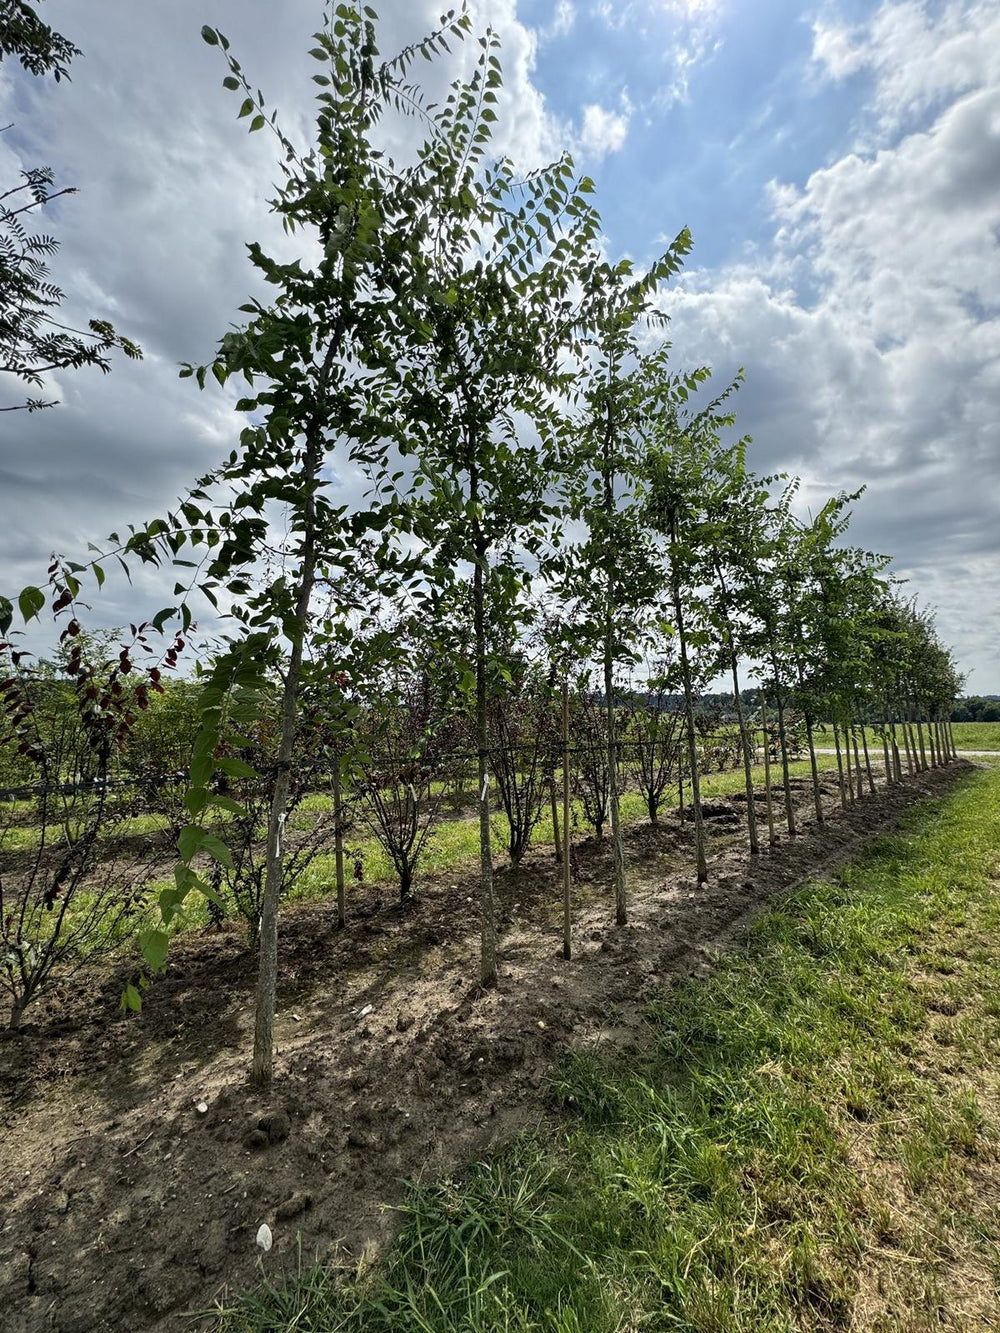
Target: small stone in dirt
x=293 y=1206
x=276 y=1125
x=202 y=1108
x=255 y=1140
x=360 y=1081
x=404 y=1021
x=748 y=884
x=359 y=1139
x=365 y=1011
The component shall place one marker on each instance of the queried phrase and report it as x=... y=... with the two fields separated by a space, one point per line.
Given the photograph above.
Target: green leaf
x=195 y=799
x=30 y=602
x=154 y=944
x=236 y=768
x=257 y=123
x=231 y=83
x=6 y=614
x=131 y=999
x=189 y=840
x=227 y=803
x=209 y=35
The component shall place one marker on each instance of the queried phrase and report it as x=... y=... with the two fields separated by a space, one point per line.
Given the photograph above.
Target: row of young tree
x=533 y=478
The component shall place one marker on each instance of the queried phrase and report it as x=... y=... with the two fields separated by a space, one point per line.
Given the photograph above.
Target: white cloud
x=563 y=20
x=870 y=328
x=602 y=131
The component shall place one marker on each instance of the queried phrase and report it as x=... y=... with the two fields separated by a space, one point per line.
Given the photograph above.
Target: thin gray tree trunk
x=617 y=848
x=840 y=767
x=817 y=798
x=885 y=755
x=262 y=1069
x=487 y=911
x=699 y=825
x=767 y=774
x=338 y=845
x=566 y=863
x=868 y=762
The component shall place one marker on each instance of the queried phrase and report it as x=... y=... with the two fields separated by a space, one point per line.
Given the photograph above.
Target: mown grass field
x=806 y=1139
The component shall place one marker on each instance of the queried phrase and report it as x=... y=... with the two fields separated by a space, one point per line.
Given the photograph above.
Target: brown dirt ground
x=123 y=1205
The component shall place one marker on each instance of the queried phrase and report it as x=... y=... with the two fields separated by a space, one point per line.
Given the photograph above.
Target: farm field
x=807 y=1135
x=968 y=735
x=389 y=1066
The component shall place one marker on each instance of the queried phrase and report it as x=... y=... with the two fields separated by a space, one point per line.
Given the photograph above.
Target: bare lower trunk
x=262 y=1069
x=908 y=745
x=618 y=851
x=554 y=805
x=857 y=760
x=868 y=762
x=338 y=848
x=885 y=755
x=920 y=738
x=897 y=763
x=566 y=867
x=767 y=775
x=747 y=766
x=817 y=798
x=701 y=864
x=487 y=914
x=783 y=742
x=840 y=767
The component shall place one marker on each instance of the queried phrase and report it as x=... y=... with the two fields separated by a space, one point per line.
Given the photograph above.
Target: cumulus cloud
x=602 y=131
x=870 y=328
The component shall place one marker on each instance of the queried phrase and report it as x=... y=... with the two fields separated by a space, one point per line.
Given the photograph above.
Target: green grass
x=977 y=735
x=968 y=736
x=809 y=1142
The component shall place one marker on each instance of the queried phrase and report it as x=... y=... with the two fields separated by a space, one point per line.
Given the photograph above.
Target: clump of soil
x=136 y=1167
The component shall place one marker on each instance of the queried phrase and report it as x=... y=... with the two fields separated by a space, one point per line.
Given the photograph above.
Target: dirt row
x=136 y=1166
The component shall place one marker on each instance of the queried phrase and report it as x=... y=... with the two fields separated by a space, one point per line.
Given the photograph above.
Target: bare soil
x=136 y=1166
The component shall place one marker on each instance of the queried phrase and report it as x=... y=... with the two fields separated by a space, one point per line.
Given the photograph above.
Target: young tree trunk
x=617 y=849
x=840 y=767
x=931 y=743
x=767 y=775
x=699 y=827
x=747 y=761
x=817 y=798
x=885 y=755
x=907 y=744
x=920 y=738
x=487 y=913
x=868 y=762
x=857 y=759
x=338 y=846
x=554 y=804
x=783 y=742
x=897 y=762
x=566 y=867
x=262 y=1069
x=740 y=716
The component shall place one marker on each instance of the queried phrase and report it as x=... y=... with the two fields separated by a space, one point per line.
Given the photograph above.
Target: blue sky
x=838 y=164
